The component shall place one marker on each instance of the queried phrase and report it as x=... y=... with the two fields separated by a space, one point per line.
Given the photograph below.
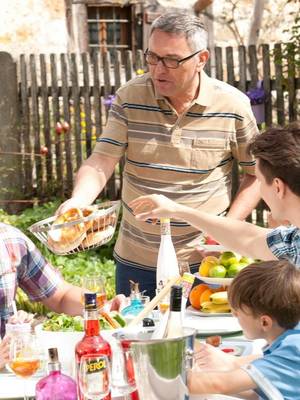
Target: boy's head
x=278 y=153
x=269 y=288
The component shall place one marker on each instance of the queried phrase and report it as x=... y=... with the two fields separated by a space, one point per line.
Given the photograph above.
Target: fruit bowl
x=78 y=229
x=221 y=270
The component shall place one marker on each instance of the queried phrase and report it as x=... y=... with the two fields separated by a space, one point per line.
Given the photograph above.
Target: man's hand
x=21 y=318
x=204 y=252
x=4 y=351
x=117 y=303
x=73 y=202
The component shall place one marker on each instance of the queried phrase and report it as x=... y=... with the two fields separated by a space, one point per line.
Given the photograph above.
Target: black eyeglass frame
x=162 y=59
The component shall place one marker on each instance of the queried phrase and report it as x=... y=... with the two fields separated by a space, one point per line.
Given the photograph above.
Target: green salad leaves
x=65 y=323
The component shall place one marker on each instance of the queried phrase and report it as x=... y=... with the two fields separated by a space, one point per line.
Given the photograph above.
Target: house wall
x=40 y=26
x=33 y=26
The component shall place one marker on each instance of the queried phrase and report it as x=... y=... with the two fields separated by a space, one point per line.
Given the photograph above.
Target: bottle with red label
x=93 y=355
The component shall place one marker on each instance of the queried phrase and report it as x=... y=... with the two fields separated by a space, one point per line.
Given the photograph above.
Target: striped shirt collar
x=204 y=97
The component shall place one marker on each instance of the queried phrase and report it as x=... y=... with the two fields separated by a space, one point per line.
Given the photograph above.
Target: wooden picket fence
x=77 y=89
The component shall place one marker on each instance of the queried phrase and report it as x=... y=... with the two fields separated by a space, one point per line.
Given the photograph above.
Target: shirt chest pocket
x=207 y=154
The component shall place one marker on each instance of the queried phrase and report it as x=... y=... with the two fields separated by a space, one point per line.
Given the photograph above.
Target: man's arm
x=65 y=299
x=223 y=382
x=239 y=236
x=246 y=198
x=90 y=180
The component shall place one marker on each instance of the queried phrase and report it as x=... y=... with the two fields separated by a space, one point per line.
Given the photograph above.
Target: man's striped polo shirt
x=188 y=158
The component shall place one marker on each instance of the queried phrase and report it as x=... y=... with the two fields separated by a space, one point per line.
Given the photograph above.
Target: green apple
x=234 y=269
x=227 y=258
x=246 y=260
x=218 y=271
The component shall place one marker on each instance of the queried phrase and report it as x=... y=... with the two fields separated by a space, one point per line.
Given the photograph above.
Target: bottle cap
x=54 y=364
x=53 y=354
x=175 y=298
x=165 y=226
x=90 y=301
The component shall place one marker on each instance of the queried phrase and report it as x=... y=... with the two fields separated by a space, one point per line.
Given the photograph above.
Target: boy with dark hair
x=277 y=153
x=265 y=297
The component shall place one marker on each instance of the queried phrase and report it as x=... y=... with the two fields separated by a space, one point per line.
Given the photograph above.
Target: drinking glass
x=24 y=357
x=94 y=376
x=183 y=266
x=122 y=372
x=95 y=284
x=164 y=303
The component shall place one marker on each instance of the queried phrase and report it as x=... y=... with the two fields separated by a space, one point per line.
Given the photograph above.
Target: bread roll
x=64 y=247
x=87 y=211
x=101 y=222
x=65 y=239
x=96 y=238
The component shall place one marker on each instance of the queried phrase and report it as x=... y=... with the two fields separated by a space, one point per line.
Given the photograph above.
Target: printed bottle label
x=96 y=380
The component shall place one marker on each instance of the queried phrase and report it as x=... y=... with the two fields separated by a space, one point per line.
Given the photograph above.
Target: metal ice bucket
x=160 y=365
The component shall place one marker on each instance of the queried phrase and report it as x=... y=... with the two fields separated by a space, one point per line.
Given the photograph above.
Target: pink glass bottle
x=55 y=386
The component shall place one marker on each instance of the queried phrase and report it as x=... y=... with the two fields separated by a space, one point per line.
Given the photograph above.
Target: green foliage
x=290 y=52
x=63 y=323
x=72 y=267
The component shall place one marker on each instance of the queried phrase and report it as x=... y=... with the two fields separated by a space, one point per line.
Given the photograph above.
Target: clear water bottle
x=167 y=264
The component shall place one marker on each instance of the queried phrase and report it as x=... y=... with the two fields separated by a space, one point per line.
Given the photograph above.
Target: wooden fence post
x=10 y=150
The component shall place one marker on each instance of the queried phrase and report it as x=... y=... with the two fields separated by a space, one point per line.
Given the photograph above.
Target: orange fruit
x=205 y=296
x=220 y=289
x=195 y=295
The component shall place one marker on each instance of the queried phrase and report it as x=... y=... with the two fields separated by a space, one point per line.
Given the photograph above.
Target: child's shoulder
x=292 y=337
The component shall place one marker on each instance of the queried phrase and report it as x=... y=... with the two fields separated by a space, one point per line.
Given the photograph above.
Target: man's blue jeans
x=146 y=279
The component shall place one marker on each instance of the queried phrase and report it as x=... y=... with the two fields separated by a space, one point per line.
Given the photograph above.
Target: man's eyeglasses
x=168 y=62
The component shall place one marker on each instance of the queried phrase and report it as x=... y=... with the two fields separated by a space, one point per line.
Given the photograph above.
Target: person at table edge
x=22 y=265
x=265 y=297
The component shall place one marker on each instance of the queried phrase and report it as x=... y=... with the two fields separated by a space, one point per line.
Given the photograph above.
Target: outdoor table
x=11 y=387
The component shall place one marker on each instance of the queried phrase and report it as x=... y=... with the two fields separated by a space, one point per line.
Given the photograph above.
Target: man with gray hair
x=179 y=131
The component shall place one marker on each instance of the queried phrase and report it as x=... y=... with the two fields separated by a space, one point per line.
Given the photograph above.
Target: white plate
x=194 y=311
x=212 y=326
x=212 y=247
x=215 y=281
